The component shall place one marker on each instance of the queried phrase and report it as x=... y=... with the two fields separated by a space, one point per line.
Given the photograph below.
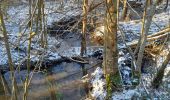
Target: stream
x=62 y=80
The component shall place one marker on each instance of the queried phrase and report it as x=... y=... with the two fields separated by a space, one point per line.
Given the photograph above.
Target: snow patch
x=98 y=84
x=125 y=95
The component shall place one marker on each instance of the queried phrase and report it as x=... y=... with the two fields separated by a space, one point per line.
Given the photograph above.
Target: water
x=1 y=88
x=73 y=88
x=62 y=80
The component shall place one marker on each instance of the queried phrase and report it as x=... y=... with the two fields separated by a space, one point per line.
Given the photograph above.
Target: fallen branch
x=22 y=66
x=159 y=35
x=47 y=60
x=76 y=59
x=160 y=32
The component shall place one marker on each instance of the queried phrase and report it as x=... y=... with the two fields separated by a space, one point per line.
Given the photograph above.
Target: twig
x=81 y=60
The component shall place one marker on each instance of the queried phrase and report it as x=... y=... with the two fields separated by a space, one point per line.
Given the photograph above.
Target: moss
x=158 y=79
x=109 y=86
x=113 y=82
x=136 y=78
x=59 y=96
x=116 y=79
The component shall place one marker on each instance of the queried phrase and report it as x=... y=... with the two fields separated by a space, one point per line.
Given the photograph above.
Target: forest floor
x=132 y=30
x=69 y=46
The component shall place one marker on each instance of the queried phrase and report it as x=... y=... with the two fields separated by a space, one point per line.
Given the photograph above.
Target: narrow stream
x=63 y=80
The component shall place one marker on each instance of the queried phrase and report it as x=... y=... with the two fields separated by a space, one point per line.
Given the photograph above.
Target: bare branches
x=14 y=89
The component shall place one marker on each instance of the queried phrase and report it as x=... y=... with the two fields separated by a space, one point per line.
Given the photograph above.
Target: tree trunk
x=159 y=76
x=4 y=84
x=125 y=9
x=110 y=61
x=84 y=22
x=144 y=33
x=14 y=85
x=26 y=85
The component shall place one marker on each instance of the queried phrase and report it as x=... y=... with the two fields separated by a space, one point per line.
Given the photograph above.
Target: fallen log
x=33 y=64
x=160 y=32
x=41 y=64
x=151 y=38
x=76 y=59
x=52 y=59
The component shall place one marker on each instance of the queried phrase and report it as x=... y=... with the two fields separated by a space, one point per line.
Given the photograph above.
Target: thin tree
x=44 y=44
x=14 y=84
x=83 y=39
x=28 y=51
x=146 y=25
x=5 y=84
x=125 y=10
x=84 y=22
x=159 y=76
x=40 y=21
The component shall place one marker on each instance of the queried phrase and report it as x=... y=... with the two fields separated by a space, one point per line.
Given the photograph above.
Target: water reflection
x=59 y=82
x=1 y=88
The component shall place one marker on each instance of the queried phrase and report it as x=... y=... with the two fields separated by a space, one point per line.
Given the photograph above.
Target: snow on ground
x=98 y=84
x=133 y=29
x=124 y=95
x=140 y=92
x=17 y=18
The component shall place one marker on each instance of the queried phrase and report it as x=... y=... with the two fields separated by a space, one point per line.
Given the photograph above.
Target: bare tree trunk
x=83 y=42
x=125 y=9
x=110 y=61
x=14 y=85
x=44 y=26
x=5 y=84
x=159 y=76
x=28 y=52
x=2 y=78
x=40 y=9
x=144 y=34
x=149 y=2
x=39 y=23
x=142 y=30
